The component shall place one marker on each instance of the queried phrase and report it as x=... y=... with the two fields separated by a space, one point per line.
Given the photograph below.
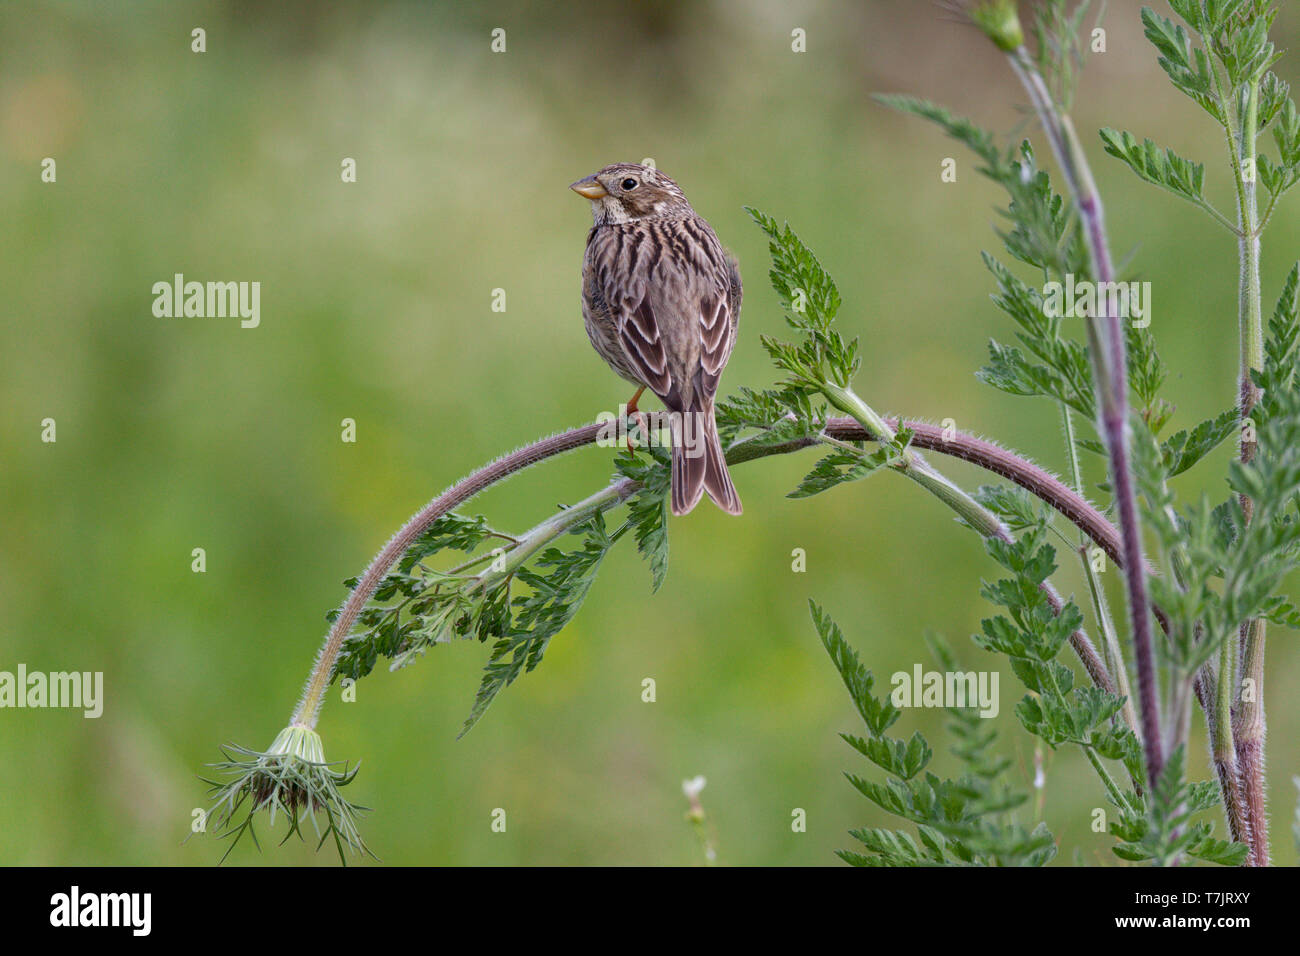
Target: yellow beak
x=589 y=188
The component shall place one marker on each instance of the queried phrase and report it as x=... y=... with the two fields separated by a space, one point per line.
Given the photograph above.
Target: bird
x=661 y=304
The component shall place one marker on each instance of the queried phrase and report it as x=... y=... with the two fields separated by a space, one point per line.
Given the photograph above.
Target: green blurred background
x=184 y=433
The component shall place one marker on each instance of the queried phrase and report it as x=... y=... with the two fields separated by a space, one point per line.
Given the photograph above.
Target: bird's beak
x=589 y=188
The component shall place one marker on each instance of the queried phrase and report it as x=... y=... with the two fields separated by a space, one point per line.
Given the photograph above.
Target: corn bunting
x=661 y=299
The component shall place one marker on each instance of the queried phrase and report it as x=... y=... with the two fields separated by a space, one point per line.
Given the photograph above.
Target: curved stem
x=972 y=512
x=1073 y=506
x=308 y=710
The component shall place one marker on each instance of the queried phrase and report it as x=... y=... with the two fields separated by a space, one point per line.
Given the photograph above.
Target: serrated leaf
x=1163 y=168
x=556 y=595
x=1184 y=449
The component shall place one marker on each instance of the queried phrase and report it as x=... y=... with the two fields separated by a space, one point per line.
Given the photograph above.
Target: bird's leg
x=640 y=418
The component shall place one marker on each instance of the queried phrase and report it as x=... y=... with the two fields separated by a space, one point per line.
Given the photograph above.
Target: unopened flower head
x=997 y=19
x=291 y=777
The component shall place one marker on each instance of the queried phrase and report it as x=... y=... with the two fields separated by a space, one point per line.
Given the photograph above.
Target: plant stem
x=986 y=455
x=308 y=710
x=1249 y=725
x=560 y=524
x=1107 y=348
x=972 y=512
x=1223 y=744
x=1110 y=640
x=1107 y=780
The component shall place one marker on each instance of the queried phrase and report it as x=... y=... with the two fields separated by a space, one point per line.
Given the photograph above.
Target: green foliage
x=1162 y=167
x=979 y=141
x=1063 y=372
x=850 y=465
x=1031 y=634
x=527 y=593
x=1287 y=132
x=1234 y=53
x=557 y=593
x=1220 y=568
x=1278 y=378
x=1045 y=235
x=811 y=301
x=437 y=604
x=1184 y=449
x=1016 y=508
x=1058 y=46
x=1228 y=569
x=962 y=822
x=648 y=507
x=1044 y=231
x=1187 y=66
x=1166 y=830
x=819 y=367
x=782 y=415
x=1146 y=376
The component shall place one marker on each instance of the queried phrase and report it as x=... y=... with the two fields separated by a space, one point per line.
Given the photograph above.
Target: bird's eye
x=629 y=185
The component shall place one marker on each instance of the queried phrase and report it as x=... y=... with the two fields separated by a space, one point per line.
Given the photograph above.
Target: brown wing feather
x=662 y=304
x=671 y=294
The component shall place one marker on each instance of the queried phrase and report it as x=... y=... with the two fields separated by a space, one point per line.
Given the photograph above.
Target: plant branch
x=308 y=710
x=1250 y=727
x=1109 y=639
x=1107 y=348
x=984 y=454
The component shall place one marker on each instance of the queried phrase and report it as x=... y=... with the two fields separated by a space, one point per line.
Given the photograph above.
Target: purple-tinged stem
x=1107 y=348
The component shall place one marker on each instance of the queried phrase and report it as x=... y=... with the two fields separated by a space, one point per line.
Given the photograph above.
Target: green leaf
x=1063 y=372
x=648 y=509
x=1163 y=168
x=1287 y=133
x=1164 y=831
x=1184 y=449
x=1189 y=69
x=451 y=531
x=811 y=300
x=1015 y=506
x=876 y=714
x=886 y=848
x=807 y=291
x=842 y=465
x=1274 y=97
x=903 y=760
x=979 y=141
x=556 y=595
x=1223 y=852
x=962 y=821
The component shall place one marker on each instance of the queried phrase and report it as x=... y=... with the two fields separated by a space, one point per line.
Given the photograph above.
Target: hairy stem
x=1249 y=725
x=308 y=710
x=972 y=512
x=986 y=455
x=1110 y=640
x=1107 y=348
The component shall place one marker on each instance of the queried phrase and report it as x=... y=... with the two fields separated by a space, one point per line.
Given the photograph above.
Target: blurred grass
x=176 y=434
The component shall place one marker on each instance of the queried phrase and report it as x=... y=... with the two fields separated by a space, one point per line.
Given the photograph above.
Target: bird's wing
x=669 y=289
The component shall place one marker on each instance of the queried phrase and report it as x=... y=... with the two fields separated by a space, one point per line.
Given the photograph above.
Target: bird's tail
x=698 y=464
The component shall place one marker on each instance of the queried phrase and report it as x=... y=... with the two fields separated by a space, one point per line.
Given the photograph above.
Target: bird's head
x=629 y=192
